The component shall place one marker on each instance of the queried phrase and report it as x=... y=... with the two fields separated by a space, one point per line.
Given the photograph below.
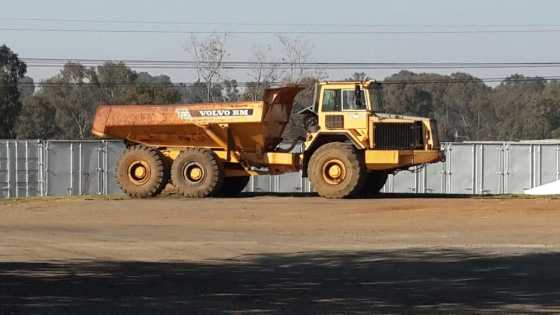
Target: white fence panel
x=20 y=165
x=62 y=168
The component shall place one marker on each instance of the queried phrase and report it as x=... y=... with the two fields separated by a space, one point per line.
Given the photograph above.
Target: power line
x=125 y=84
x=474 y=80
x=248 y=65
x=160 y=22
x=178 y=32
x=253 y=84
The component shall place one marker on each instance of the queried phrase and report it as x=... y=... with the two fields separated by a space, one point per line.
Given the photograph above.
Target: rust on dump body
x=249 y=126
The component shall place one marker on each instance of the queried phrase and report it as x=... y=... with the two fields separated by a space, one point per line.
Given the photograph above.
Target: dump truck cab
x=349 y=112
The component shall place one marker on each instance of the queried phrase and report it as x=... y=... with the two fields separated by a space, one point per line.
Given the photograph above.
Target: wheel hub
x=139 y=172
x=334 y=172
x=194 y=172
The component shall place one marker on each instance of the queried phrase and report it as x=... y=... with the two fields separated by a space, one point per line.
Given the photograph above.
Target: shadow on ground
x=447 y=281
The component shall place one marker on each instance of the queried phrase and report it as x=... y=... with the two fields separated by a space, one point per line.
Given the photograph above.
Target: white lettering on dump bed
x=215 y=113
x=185 y=114
x=241 y=112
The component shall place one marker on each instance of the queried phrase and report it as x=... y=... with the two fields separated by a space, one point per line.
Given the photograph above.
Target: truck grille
x=395 y=136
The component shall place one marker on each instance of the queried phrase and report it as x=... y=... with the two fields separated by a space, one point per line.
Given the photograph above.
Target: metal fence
x=64 y=168
x=58 y=168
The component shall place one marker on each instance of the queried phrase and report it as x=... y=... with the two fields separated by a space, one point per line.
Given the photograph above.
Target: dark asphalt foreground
x=280 y=255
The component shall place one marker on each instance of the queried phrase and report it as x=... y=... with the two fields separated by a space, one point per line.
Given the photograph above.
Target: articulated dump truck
x=213 y=149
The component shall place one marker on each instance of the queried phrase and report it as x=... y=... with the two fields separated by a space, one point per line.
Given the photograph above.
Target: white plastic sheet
x=548 y=189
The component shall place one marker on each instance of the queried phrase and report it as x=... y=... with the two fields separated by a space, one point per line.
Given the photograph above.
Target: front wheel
x=336 y=170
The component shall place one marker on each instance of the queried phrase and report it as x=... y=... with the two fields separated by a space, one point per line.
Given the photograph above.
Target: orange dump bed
x=247 y=126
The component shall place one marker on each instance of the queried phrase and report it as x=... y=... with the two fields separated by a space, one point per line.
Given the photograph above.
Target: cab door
x=354 y=109
x=344 y=108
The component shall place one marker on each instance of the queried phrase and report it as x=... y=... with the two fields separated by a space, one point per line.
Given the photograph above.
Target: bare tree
x=263 y=74
x=296 y=53
x=209 y=56
x=359 y=76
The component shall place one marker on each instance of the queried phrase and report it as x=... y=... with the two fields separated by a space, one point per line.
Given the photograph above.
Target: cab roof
x=349 y=82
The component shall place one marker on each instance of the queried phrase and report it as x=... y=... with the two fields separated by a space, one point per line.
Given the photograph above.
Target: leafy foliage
x=64 y=107
x=12 y=71
x=37 y=119
x=467 y=109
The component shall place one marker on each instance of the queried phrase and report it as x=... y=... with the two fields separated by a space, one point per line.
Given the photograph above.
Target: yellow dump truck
x=213 y=149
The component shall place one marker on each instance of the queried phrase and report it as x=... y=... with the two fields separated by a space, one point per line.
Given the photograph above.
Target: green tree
x=518 y=104
x=551 y=94
x=121 y=85
x=460 y=103
x=405 y=93
x=150 y=89
x=37 y=119
x=468 y=112
x=75 y=95
x=26 y=87
x=65 y=106
x=197 y=92
x=115 y=81
x=12 y=70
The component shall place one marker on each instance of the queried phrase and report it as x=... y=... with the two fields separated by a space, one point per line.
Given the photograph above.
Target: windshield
x=349 y=101
x=336 y=100
x=376 y=97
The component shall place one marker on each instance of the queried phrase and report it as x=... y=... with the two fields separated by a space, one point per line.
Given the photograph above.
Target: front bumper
x=397 y=159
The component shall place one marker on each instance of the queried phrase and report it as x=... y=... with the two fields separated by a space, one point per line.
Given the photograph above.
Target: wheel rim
x=194 y=172
x=139 y=172
x=334 y=172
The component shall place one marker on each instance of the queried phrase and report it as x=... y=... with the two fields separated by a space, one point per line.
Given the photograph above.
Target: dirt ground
x=280 y=254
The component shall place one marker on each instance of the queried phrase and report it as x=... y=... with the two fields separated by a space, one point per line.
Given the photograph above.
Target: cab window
x=332 y=101
x=376 y=96
x=350 y=102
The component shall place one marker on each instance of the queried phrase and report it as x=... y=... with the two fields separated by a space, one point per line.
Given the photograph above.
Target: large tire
x=233 y=186
x=374 y=183
x=141 y=172
x=336 y=170
x=196 y=173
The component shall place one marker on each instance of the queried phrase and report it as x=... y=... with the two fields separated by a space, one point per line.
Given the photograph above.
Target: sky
x=403 y=15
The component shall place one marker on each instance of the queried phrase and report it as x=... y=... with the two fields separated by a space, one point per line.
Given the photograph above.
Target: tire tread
x=215 y=170
x=346 y=151
x=157 y=169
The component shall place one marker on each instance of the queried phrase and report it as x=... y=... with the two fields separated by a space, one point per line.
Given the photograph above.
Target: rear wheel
x=196 y=173
x=141 y=172
x=336 y=170
x=374 y=183
x=233 y=186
